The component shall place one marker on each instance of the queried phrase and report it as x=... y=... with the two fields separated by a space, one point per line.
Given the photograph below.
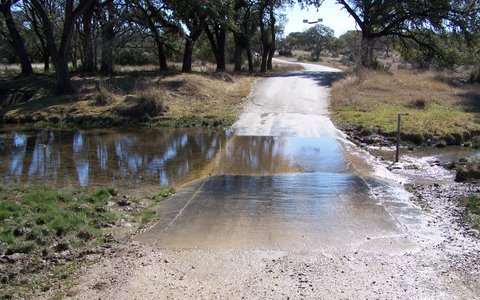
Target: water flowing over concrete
x=283 y=181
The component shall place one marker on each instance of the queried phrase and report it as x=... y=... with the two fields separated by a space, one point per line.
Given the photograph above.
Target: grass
x=173 y=100
x=38 y=224
x=472 y=203
x=436 y=104
x=145 y=217
x=39 y=215
x=163 y=193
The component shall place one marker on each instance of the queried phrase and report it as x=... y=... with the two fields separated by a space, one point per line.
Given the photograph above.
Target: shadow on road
x=322 y=78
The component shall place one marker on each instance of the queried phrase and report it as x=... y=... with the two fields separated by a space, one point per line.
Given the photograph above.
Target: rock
x=124 y=202
x=101 y=285
x=20 y=231
x=441 y=144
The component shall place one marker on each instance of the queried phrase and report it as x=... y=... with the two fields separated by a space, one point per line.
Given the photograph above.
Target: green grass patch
x=147 y=216
x=472 y=203
x=163 y=193
x=436 y=120
x=33 y=216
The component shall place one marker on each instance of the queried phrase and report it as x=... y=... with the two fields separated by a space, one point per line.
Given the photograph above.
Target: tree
x=109 y=19
x=402 y=19
x=192 y=15
x=153 y=14
x=59 y=53
x=16 y=38
x=39 y=31
x=317 y=39
x=350 y=45
x=86 y=29
x=244 y=27
x=219 y=15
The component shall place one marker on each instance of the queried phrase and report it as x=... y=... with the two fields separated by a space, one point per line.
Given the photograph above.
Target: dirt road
x=286 y=214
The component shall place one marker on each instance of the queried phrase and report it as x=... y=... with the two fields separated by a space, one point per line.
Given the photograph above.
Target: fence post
x=399 y=123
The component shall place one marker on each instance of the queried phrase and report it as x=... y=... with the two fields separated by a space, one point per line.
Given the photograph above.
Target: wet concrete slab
x=265 y=155
x=310 y=211
x=284 y=181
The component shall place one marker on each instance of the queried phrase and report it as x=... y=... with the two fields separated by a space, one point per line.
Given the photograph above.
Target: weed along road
x=289 y=210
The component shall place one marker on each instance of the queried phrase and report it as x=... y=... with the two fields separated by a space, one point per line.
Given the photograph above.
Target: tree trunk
x=272 y=48
x=263 y=66
x=64 y=85
x=187 y=56
x=46 y=60
x=271 y=53
x=238 y=55
x=366 y=58
x=265 y=47
x=222 y=39
x=17 y=41
x=189 y=43
x=250 y=60
x=162 y=57
x=106 y=67
x=89 y=62
x=108 y=40
x=217 y=39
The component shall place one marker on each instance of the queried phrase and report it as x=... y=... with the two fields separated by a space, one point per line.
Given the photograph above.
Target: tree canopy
x=94 y=35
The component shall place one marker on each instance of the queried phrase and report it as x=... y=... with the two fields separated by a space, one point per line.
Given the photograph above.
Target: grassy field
x=46 y=233
x=439 y=107
x=174 y=100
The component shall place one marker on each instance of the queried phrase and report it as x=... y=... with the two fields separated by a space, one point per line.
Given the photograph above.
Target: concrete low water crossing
x=284 y=181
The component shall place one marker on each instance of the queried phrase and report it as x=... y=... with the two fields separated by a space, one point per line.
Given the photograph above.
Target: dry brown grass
x=198 y=95
x=437 y=103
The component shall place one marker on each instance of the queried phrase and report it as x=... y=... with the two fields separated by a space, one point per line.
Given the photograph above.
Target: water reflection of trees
x=255 y=155
x=102 y=157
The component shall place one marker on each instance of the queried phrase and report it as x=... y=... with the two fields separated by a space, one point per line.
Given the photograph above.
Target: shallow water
x=116 y=157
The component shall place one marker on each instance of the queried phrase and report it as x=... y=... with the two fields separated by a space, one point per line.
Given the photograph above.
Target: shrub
x=475 y=75
x=145 y=106
x=104 y=94
x=469 y=172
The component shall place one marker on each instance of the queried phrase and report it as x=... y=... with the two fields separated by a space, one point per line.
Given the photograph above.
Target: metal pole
x=397 y=153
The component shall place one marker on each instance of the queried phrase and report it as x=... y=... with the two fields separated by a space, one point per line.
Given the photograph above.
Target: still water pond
x=116 y=157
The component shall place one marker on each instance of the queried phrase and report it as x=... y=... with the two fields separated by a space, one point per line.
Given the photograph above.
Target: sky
x=333 y=16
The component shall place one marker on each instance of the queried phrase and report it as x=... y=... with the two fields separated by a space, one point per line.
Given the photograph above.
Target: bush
x=145 y=106
x=475 y=75
x=104 y=94
x=469 y=172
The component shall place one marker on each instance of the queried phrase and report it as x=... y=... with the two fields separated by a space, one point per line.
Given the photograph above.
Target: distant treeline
x=94 y=35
